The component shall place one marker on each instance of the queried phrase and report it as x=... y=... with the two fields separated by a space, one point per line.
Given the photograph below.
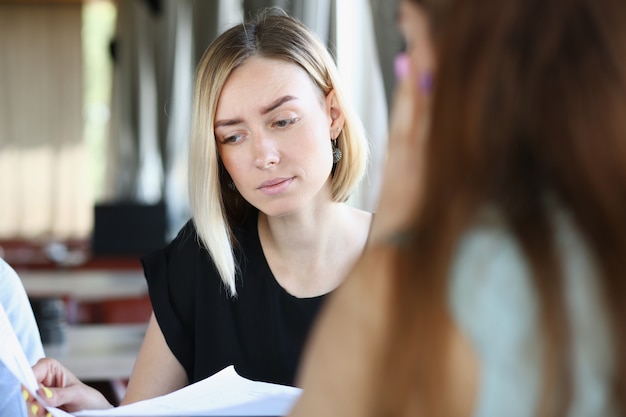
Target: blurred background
x=95 y=104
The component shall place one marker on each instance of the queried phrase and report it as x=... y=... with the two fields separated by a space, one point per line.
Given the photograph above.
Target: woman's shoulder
x=494 y=303
x=488 y=250
x=494 y=300
x=14 y=302
x=490 y=280
x=186 y=238
x=185 y=246
x=8 y=278
x=186 y=259
x=181 y=259
x=490 y=253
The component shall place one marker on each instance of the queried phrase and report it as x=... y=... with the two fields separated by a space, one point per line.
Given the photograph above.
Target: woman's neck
x=310 y=253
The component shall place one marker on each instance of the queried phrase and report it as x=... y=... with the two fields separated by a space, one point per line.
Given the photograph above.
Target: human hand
x=33 y=407
x=403 y=175
x=61 y=389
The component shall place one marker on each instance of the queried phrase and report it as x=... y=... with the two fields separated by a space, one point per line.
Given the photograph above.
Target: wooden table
x=92 y=296
x=99 y=352
x=88 y=285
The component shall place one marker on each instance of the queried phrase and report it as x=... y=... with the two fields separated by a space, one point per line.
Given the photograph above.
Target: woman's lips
x=275 y=185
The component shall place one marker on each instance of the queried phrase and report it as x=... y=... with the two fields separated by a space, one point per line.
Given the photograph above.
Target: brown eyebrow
x=274 y=105
x=228 y=122
x=277 y=103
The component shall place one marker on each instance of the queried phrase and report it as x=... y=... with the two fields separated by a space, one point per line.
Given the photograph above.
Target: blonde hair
x=215 y=208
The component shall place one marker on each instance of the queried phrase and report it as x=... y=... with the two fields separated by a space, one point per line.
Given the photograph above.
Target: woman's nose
x=266 y=152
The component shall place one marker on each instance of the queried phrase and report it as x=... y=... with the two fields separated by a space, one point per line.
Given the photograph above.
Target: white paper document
x=223 y=394
x=13 y=357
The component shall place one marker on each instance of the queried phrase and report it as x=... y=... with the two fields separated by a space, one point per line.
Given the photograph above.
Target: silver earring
x=337 y=154
x=231 y=185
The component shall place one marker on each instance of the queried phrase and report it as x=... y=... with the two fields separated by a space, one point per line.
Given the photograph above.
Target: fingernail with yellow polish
x=48 y=415
x=25 y=394
x=47 y=392
x=34 y=408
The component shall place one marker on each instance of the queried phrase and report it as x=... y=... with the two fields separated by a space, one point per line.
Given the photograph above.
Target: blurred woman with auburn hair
x=498 y=288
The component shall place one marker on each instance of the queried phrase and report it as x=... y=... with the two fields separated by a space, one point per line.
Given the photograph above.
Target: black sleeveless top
x=261 y=332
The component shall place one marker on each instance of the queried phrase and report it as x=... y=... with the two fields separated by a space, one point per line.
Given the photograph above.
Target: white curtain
x=158 y=45
x=44 y=188
x=158 y=49
x=134 y=166
x=358 y=63
x=179 y=111
x=44 y=166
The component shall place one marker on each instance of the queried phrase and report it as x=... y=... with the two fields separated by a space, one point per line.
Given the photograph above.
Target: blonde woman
x=275 y=152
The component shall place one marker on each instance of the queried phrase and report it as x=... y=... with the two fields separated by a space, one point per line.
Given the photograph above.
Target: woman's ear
x=335 y=112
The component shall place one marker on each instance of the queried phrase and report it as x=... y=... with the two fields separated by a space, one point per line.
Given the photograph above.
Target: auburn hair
x=529 y=102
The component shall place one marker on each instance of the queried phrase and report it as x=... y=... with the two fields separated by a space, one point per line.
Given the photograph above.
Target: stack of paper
x=223 y=394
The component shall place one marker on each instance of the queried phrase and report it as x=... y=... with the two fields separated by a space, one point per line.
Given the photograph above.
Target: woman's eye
x=232 y=139
x=285 y=122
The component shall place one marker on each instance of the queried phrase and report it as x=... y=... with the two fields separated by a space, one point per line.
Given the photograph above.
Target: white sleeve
x=17 y=306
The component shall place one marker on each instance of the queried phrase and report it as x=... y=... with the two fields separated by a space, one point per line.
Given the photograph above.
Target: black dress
x=262 y=331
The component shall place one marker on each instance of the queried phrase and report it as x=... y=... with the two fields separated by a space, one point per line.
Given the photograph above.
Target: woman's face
x=273 y=128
